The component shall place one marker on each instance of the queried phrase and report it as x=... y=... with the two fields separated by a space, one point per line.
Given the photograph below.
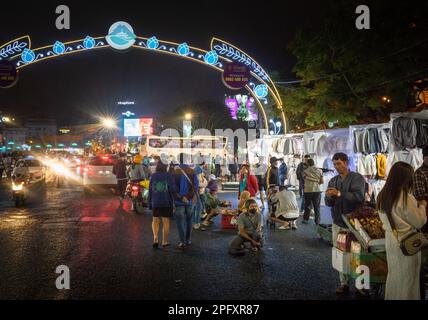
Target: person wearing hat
x=136 y=170
x=272 y=174
x=211 y=202
x=249 y=229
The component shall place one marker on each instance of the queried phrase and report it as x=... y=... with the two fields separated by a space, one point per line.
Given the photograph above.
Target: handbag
x=412 y=243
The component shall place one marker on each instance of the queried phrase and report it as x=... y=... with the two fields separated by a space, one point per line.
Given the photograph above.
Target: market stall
x=371 y=147
x=409 y=134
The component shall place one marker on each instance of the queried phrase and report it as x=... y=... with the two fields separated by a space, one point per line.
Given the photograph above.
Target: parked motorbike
x=138 y=192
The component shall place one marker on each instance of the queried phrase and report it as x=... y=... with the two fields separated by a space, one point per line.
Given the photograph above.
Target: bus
x=195 y=145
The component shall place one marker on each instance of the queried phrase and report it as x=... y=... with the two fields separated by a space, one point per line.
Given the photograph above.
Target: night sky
x=76 y=86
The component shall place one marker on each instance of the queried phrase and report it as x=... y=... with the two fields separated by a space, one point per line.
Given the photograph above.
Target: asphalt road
x=110 y=256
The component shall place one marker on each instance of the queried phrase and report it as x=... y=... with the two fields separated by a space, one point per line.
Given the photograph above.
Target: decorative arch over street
x=21 y=53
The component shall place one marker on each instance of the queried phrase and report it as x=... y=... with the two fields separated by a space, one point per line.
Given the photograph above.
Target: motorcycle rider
x=119 y=170
x=136 y=170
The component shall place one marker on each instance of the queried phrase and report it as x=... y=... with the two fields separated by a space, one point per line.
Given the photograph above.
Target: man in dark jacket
x=120 y=171
x=300 y=176
x=186 y=186
x=272 y=174
x=283 y=170
x=344 y=194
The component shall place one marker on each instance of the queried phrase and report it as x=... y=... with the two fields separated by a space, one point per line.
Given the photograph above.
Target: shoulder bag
x=412 y=243
x=195 y=194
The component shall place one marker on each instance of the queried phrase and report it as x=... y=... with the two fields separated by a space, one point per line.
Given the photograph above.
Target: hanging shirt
x=359 y=141
x=381 y=165
x=383 y=134
x=280 y=146
x=374 y=145
x=322 y=146
x=413 y=157
x=298 y=146
x=275 y=145
x=404 y=133
x=366 y=165
x=292 y=177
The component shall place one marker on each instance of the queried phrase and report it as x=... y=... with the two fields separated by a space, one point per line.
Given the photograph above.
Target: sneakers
x=207 y=223
x=196 y=226
x=343 y=289
x=188 y=243
x=284 y=228
x=294 y=225
x=181 y=246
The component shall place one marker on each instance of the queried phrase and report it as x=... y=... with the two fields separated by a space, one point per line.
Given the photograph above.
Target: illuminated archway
x=261 y=86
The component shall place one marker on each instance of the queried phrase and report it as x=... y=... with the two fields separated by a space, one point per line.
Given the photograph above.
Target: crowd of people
x=189 y=192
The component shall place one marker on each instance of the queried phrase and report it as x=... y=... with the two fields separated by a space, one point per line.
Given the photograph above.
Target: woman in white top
x=287 y=210
x=396 y=202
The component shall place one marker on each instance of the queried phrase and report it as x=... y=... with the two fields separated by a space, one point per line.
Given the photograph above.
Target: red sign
x=146 y=126
x=236 y=75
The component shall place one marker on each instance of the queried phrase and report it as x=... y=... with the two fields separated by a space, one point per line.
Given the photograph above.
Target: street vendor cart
x=363 y=245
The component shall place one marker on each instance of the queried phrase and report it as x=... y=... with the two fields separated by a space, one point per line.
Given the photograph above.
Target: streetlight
x=108 y=123
x=187 y=125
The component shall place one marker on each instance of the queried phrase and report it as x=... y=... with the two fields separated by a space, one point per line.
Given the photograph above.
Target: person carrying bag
x=402 y=216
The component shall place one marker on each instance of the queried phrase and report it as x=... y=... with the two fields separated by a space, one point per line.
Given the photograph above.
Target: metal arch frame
x=46 y=53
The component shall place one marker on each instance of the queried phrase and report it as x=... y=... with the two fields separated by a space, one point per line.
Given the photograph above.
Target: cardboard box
x=344 y=240
x=341 y=261
x=376 y=263
x=355 y=247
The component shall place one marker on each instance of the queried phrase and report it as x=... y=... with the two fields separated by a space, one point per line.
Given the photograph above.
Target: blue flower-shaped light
x=28 y=56
x=89 y=42
x=58 y=48
x=153 y=43
x=261 y=91
x=183 y=49
x=211 y=57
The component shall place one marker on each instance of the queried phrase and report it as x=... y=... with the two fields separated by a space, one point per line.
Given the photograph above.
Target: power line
x=372 y=60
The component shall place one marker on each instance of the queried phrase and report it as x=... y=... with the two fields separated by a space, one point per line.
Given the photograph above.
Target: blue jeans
x=184 y=222
x=203 y=200
x=196 y=211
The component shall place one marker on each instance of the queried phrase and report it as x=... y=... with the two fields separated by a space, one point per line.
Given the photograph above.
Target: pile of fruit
x=370 y=221
x=229 y=212
x=225 y=204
